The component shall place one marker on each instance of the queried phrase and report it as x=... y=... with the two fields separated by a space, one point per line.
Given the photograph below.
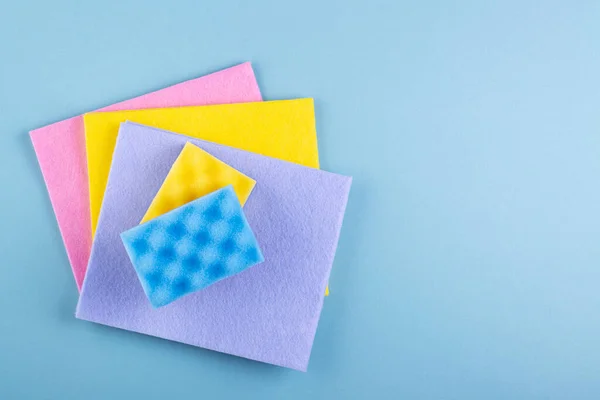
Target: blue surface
x=468 y=265
x=192 y=247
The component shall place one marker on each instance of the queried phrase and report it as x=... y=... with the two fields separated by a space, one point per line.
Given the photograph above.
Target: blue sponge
x=192 y=247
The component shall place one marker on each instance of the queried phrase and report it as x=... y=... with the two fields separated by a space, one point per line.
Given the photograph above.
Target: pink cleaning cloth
x=60 y=150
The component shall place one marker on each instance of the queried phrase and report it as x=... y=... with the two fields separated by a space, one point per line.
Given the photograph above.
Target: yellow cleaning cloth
x=283 y=129
x=196 y=173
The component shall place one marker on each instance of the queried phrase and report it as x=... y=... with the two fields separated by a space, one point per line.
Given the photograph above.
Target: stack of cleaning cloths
x=197 y=213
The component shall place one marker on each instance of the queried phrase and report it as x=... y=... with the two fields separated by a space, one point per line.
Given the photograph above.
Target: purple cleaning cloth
x=269 y=313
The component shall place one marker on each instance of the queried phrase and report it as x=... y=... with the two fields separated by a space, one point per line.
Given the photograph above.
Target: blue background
x=468 y=266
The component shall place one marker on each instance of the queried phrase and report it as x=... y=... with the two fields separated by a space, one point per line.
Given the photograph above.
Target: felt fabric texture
x=60 y=150
x=267 y=313
x=194 y=174
x=283 y=129
x=192 y=247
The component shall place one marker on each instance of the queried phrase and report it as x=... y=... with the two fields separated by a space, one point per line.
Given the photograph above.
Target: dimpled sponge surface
x=192 y=247
x=194 y=174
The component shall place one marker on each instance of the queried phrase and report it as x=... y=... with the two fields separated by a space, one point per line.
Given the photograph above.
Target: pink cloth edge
x=60 y=150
